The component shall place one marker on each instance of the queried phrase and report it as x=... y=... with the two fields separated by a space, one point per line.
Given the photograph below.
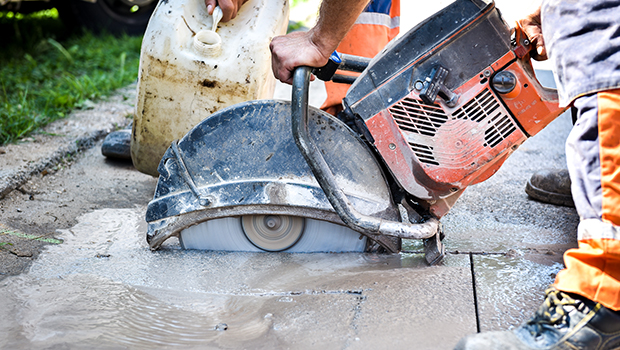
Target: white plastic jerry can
x=188 y=71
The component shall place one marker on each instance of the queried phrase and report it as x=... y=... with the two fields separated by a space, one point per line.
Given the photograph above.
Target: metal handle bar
x=344 y=62
x=367 y=225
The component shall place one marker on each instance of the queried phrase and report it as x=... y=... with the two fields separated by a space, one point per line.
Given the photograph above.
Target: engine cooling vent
x=424 y=153
x=501 y=126
x=414 y=116
x=478 y=108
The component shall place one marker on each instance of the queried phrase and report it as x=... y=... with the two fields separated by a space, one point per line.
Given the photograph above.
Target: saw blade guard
x=243 y=161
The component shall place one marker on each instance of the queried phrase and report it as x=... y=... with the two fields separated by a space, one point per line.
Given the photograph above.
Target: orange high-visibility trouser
x=374 y=28
x=593 y=157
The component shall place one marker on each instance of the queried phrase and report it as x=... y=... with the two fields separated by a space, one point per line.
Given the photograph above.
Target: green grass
x=45 y=72
x=294 y=3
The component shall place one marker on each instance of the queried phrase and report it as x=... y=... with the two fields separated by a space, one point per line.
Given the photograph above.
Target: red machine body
x=448 y=115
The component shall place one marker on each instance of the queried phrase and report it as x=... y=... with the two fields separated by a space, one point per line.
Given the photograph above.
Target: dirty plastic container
x=187 y=71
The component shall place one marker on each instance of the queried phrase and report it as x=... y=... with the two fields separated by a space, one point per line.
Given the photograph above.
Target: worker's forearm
x=336 y=17
x=313 y=48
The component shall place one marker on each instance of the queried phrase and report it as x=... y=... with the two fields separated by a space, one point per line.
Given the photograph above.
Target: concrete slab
x=424 y=308
x=228 y=300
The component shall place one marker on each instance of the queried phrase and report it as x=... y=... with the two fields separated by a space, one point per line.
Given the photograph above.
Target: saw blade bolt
x=273 y=222
x=204 y=201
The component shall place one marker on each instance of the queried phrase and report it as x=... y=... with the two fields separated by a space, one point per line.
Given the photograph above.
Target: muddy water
x=510 y=290
x=103 y=288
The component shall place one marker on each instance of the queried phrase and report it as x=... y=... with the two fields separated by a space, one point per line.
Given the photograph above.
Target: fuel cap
x=504 y=82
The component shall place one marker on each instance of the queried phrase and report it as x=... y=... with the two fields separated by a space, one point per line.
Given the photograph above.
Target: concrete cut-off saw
x=439 y=109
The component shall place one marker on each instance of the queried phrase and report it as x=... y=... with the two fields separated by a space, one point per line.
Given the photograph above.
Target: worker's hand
x=294 y=50
x=532 y=26
x=230 y=8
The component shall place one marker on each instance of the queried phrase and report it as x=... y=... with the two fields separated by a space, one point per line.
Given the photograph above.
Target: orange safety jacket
x=374 y=28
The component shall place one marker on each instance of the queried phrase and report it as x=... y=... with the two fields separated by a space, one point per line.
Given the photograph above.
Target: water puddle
x=510 y=290
x=103 y=288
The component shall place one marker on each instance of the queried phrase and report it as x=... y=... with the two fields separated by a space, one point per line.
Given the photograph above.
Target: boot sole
x=117 y=145
x=548 y=197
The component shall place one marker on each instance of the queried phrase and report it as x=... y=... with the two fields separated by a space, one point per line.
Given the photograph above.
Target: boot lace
x=553 y=312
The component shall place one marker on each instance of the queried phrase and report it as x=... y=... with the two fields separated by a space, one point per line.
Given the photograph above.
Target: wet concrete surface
x=79 y=273
x=103 y=288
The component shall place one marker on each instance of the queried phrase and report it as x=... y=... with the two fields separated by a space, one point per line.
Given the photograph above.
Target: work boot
x=117 y=144
x=563 y=322
x=550 y=186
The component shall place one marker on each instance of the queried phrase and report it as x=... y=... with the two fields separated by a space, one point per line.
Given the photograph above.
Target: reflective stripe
x=378 y=19
x=597 y=229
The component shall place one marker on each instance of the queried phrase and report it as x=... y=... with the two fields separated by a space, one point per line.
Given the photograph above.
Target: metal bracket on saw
x=434 y=85
x=434 y=250
x=203 y=199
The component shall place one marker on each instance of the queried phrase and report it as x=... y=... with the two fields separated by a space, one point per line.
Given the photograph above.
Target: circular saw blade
x=226 y=234
x=273 y=233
